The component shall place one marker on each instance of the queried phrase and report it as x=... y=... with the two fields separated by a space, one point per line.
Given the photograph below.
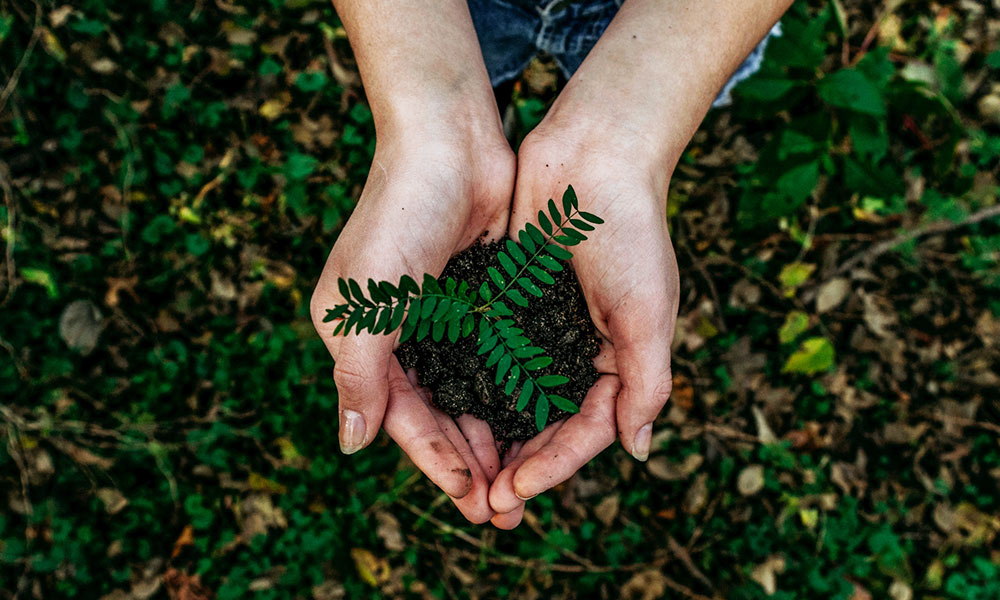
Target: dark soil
x=459 y=380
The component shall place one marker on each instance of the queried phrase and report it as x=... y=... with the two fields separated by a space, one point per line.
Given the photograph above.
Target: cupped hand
x=628 y=274
x=429 y=195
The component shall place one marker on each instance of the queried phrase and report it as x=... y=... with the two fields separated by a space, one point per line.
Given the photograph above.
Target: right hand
x=431 y=192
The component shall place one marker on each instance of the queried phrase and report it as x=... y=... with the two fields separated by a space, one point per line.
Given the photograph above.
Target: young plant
x=452 y=309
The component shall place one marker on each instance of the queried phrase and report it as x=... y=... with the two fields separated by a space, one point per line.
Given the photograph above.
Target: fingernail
x=352 y=431
x=644 y=437
x=520 y=497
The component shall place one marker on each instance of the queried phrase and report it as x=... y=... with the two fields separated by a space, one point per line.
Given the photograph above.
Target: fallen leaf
x=662 y=468
x=750 y=480
x=181 y=586
x=389 y=531
x=113 y=500
x=607 y=509
x=831 y=294
x=373 y=570
x=186 y=538
x=80 y=325
x=766 y=573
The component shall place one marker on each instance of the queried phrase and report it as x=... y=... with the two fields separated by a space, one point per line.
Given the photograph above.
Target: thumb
x=361 y=374
x=643 y=358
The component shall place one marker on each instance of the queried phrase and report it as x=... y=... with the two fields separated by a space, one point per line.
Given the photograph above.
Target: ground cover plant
x=453 y=309
x=173 y=175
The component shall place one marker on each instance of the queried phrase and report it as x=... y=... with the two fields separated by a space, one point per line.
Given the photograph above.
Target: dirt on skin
x=458 y=378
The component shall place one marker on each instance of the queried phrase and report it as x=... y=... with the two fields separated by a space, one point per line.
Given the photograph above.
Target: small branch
x=8 y=200
x=934 y=228
x=36 y=33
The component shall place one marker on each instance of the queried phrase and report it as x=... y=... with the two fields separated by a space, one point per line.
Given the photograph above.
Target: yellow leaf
x=263 y=484
x=51 y=44
x=372 y=569
x=809 y=516
x=794 y=275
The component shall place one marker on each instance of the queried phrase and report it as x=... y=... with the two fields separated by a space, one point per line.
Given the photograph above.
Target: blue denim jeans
x=512 y=32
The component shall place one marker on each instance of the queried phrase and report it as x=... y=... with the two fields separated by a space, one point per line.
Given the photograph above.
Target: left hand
x=628 y=274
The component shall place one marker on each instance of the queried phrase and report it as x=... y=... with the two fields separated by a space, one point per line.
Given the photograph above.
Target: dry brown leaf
x=389 y=531
x=750 y=480
x=607 y=509
x=186 y=538
x=645 y=585
x=766 y=573
x=831 y=294
x=181 y=586
x=662 y=468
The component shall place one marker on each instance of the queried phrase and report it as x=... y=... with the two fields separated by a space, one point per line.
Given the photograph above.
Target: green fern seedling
x=452 y=310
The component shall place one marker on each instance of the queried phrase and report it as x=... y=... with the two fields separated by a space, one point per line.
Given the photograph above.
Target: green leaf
x=454 y=328
x=850 y=89
x=344 y=290
x=438 y=330
x=541 y=411
x=526 y=241
x=484 y=292
x=525 y=396
x=502 y=366
x=516 y=252
x=332 y=314
x=339 y=328
x=795 y=324
x=794 y=275
x=442 y=309
x=591 y=218
x=581 y=224
x=431 y=285
x=496 y=277
x=487 y=344
x=764 y=89
x=385 y=313
x=427 y=307
x=813 y=356
x=549 y=263
x=358 y=294
x=529 y=286
x=468 y=325
x=494 y=356
x=569 y=200
x=554 y=213
x=799 y=182
x=353 y=320
x=560 y=253
x=398 y=313
x=512 y=380
x=537 y=363
x=450 y=285
x=563 y=403
x=390 y=290
x=407 y=331
x=527 y=351
x=517 y=297
x=413 y=315
x=541 y=274
x=376 y=293
x=535 y=233
x=551 y=380
x=506 y=263
x=408 y=285
x=544 y=222
x=311 y=81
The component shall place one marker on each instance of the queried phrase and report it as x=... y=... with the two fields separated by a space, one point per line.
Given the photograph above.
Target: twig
x=939 y=416
x=934 y=228
x=8 y=200
x=36 y=33
x=711 y=286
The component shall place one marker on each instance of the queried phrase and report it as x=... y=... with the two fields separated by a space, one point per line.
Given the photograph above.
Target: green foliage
x=452 y=310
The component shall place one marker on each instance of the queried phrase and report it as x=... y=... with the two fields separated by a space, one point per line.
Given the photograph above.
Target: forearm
x=656 y=70
x=419 y=61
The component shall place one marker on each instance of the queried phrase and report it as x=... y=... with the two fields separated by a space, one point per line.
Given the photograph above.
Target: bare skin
x=615 y=133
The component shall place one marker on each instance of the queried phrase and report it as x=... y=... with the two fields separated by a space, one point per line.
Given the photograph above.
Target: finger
x=361 y=374
x=509 y=520
x=474 y=506
x=582 y=437
x=480 y=438
x=643 y=357
x=409 y=421
x=606 y=361
x=502 y=496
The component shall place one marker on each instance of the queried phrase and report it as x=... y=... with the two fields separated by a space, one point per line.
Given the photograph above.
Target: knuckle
x=350 y=379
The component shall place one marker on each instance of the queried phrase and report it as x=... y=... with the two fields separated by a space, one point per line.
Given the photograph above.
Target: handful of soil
x=458 y=378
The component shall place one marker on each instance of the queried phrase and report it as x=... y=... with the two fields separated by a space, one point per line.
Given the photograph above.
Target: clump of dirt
x=459 y=380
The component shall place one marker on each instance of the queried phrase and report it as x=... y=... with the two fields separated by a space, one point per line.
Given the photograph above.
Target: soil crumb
x=459 y=380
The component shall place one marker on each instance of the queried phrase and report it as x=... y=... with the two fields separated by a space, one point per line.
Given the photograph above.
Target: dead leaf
x=186 y=538
x=113 y=500
x=697 y=495
x=662 y=468
x=766 y=573
x=389 y=532
x=256 y=514
x=831 y=294
x=900 y=590
x=80 y=325
x=607 y=509
x=764 y=432
x=82 y=456
x=373 y=570
x=645 y=585
x=181 y=586
x=750 y=480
